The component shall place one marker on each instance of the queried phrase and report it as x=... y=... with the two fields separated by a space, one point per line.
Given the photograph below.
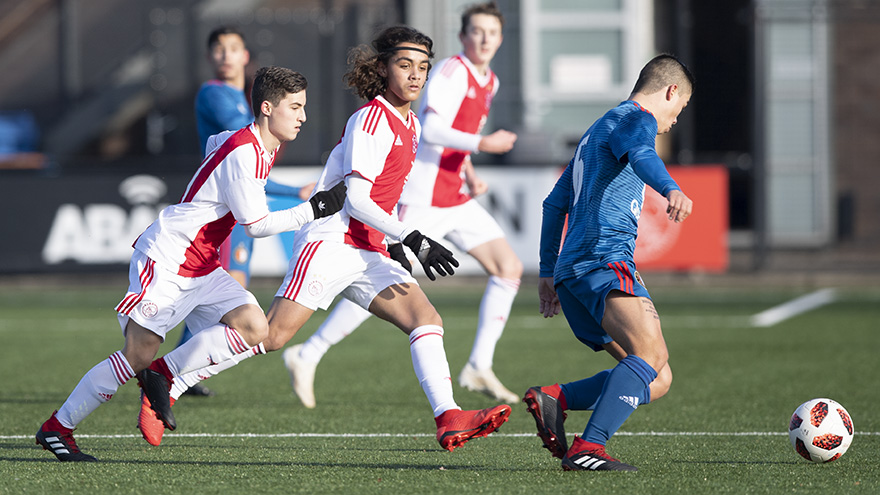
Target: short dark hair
x=215 y=35
x=661 y=71
x=488 y=8
x=273 y=84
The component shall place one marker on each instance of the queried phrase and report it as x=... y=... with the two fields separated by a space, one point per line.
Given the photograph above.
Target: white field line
x=432 y=435
x=794 y=307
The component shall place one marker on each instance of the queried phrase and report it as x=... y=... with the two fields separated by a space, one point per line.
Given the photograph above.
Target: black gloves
x=431 y=254
x=326 y=203
x=399 y=255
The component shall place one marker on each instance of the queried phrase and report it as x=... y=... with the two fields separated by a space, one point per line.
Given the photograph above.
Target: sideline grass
x=729 y=378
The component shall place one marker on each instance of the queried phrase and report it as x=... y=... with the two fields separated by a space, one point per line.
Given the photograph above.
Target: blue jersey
x=602 y=191
x=220 y=107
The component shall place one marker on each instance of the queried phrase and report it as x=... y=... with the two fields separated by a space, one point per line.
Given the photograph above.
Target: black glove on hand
x=399 y=255
x=431 y=254
x=326 y=203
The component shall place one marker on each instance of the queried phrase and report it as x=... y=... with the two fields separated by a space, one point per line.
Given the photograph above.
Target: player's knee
x=254 y=331
x=661 y=385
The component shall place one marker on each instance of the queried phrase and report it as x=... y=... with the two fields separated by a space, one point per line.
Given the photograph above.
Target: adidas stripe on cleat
x=591 y=457
x=55 y=438
x=455 y=427
x=549 y=419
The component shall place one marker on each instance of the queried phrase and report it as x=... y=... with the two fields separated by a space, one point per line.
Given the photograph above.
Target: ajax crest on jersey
x=820 y=430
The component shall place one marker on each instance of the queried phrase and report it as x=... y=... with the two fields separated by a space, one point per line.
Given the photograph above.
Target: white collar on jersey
x=381 y=99
x=482 y=80
x=253 y=128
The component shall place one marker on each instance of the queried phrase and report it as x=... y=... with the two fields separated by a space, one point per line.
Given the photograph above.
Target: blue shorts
x=583 y=298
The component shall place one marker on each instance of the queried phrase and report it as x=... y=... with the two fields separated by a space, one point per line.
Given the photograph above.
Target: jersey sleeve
x=446 y=90
x=367 y=143
x=240 y=187
x=634 y=141
x=553 y=222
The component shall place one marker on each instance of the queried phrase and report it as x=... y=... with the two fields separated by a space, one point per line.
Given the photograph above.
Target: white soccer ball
x=820 y=430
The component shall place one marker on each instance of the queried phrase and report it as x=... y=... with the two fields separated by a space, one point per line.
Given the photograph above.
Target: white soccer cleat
x=485 y=382
x=302 y=375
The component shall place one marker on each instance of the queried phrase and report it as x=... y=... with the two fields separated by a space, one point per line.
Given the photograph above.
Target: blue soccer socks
x=625 y=388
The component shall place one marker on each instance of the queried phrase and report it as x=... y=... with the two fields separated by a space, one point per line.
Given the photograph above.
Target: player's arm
x=279 y=189
x=633 y=141
x=555 y=208
x=361 y=206
x=246 y=199
x=475 y=184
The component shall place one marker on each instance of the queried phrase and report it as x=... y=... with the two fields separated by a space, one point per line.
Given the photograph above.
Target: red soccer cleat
x=455 y=427
x=151 y=426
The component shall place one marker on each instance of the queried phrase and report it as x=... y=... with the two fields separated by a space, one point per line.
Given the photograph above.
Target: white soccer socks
x=344 y=319
x=494 y=311
x=96 y=387
x=183 y=382
x=431 y=367
x=207 y=347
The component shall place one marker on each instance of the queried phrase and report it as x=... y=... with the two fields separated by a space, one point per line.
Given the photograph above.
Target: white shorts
x=159 y=299
x=466 y=226
x=321 y=270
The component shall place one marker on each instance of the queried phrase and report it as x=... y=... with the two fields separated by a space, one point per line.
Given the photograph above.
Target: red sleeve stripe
x=121 y=369
x=371 y=123
x=132 y=300
x=302 y=265
x=262 y=168
x=235 y=341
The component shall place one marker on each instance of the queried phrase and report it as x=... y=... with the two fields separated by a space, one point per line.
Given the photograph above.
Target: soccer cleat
x=584 y=456
x=151 y=427
x=549 y=419
x=485 y=382
x=302 y=375
x=455 y=427
x=199 y=390
x=156 y=387
x=55 y=438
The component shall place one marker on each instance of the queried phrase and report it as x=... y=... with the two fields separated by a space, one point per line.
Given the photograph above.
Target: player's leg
x=505 y=270
x=96 y=387
x=632 y=322
x=407 y=307
x=302 y=360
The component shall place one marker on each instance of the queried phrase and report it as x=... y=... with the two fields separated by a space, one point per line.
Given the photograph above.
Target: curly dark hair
x=363 y=60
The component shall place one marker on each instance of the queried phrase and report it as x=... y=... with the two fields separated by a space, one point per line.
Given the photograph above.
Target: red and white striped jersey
x=229 y=186
x=461 y=96
x=379 y=145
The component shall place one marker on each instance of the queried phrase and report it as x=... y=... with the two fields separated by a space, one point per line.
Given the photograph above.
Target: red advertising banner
x=700 y=242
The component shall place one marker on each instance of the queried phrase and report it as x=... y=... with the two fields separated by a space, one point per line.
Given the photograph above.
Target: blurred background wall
x=786 y=101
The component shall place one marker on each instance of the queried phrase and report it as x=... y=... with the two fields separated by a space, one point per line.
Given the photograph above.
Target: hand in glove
x=326 y=203
x=431 y=254
x=399 y=255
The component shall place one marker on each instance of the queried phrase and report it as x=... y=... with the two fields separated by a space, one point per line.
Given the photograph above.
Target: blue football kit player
x=593 y=277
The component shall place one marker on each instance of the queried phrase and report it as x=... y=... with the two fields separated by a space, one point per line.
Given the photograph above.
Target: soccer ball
x=820 y=430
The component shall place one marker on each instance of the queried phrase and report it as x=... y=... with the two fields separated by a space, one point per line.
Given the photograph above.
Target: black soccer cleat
x=59 y=440
x=549 y=418
x=199 y=390
x=583 y=458
x=156 y=388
